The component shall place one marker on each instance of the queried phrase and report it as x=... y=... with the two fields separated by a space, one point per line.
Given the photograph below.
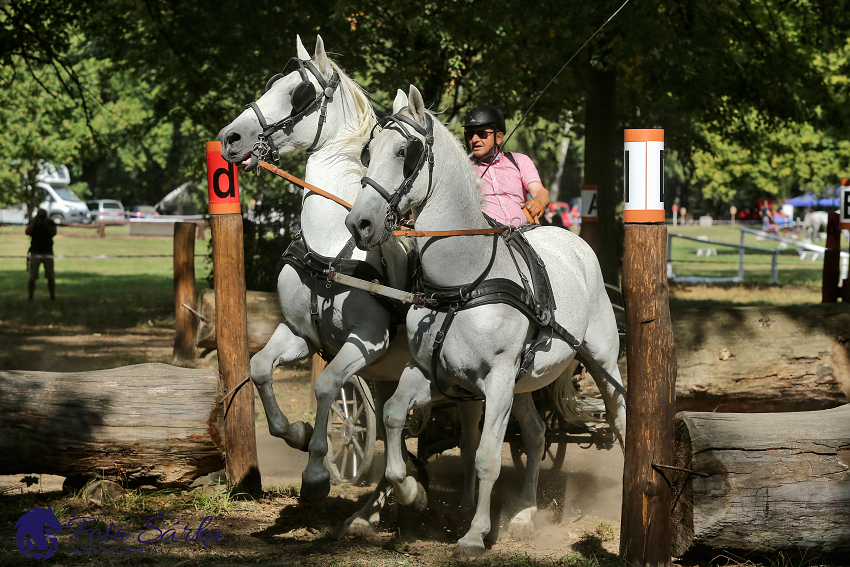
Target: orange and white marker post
x=590 y=215
x=647 y=530
x=231 y=323
x=643 y=176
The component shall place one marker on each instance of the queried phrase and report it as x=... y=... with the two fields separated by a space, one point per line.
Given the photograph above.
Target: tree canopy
x=752 y=94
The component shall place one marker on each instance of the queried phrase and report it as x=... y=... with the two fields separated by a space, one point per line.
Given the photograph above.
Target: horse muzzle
x=364 y=231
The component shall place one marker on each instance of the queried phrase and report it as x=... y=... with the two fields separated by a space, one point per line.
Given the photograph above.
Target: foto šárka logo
x=37 y=528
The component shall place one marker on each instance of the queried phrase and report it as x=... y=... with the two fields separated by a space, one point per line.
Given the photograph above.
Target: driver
x=510 y=177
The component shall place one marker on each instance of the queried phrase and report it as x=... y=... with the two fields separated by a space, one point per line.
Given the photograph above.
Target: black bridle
x=304 y=101
x=416 y=154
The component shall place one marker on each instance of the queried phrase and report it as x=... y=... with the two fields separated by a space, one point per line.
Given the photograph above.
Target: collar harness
x=304 y=101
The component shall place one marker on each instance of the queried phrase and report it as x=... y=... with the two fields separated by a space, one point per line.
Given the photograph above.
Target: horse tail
x=564 y=393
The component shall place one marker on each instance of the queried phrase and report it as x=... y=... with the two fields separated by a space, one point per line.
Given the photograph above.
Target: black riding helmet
x=485 y=115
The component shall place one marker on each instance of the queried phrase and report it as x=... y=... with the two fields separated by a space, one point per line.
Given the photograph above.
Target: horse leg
x=488 y=460
x=315 y=480
x=413 y=392
x=533 y=432
x=470 y=418
x=364 y=520
x=283 y=346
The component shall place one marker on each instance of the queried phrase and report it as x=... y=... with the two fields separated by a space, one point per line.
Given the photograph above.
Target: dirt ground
x=577 y=522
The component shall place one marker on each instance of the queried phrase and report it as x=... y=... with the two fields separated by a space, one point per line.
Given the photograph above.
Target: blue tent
x=807 y=200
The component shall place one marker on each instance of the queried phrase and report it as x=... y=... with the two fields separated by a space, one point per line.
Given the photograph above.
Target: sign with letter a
x=589 y=203
x=844 y=205
x=223 y=182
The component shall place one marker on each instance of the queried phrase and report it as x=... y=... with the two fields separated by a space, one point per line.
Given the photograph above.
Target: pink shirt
x=504 y=187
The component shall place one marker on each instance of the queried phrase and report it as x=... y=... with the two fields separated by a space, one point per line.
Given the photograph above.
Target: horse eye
x=400 y=153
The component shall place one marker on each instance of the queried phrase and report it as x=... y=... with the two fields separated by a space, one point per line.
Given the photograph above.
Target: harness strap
x=301 y=183
x=314 y=266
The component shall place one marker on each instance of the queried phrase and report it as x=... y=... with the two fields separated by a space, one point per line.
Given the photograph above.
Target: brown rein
x=404 y=232
x=409 y=232
x=289 y=177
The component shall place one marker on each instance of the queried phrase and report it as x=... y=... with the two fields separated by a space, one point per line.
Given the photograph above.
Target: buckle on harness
x=314 y=308
x=438 y=338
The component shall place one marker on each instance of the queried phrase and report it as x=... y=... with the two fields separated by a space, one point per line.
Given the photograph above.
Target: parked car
x=141 y=211
x=106 y=210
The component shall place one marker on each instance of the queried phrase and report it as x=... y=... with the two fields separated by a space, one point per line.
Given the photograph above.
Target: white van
x=62 y=206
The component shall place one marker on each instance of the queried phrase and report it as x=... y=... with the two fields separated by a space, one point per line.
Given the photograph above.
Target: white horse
x=483 y=349
x=814 y=223
x=354 y=326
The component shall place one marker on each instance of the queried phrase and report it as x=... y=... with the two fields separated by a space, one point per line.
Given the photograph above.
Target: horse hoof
x=520 y=530
x=464 y=551
x=358 y=527
x=298 y=436
x=317 y=488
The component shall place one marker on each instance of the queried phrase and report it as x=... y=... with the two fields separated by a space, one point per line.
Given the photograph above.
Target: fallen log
x=762 y=359
x=264 y=316
x=144 y=424
x=775 y=482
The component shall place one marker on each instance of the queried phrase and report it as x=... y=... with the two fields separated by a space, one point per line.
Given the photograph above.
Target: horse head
x=294 y=113
x=395 y=157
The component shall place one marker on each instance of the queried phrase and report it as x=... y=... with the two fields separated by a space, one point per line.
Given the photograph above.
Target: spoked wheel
x=351 y=433
x=555 y=449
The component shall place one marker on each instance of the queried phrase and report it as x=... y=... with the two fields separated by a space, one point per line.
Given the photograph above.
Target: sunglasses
x=482 y=134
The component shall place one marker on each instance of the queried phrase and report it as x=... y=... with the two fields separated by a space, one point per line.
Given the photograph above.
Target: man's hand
x=534 y=208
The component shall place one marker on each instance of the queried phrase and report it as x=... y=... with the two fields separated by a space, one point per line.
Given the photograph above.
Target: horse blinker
x=412 y=155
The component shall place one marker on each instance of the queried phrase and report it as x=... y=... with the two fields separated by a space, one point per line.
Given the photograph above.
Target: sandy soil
x=579 y=506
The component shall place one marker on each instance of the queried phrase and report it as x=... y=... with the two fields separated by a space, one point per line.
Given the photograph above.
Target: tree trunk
x=776 y=482
x=263 y=318
x=762 y=359
x=143 y=424
x=600 y=157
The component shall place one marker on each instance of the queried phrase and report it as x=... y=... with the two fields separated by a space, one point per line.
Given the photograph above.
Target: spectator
x=41 y=231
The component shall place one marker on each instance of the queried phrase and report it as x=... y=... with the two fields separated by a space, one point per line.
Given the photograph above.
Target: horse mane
x=351 y=142
x=453 y=144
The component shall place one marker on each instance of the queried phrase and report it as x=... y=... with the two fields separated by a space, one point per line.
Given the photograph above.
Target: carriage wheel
x=351 y=433
x=555 y=450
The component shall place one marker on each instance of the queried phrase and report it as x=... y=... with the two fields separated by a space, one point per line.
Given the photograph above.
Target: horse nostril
x=232 y=138
x=363 y=226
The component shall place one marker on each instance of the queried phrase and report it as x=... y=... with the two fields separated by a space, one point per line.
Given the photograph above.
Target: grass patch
x=757 y=265
x=97 y=294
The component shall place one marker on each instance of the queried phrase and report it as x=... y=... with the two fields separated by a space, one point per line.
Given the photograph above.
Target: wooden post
x=831 y=261
x=242 y=466
x=646 y=527
x=316 y=369
x=186 y=324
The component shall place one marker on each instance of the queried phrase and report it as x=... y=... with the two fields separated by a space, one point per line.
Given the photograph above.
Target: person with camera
x=41 y=231
x=507 y=176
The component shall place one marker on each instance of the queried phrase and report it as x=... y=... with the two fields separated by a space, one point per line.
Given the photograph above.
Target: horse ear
x=400 y=102
x=416 y=104
x=302 y=52
x=323 y=63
